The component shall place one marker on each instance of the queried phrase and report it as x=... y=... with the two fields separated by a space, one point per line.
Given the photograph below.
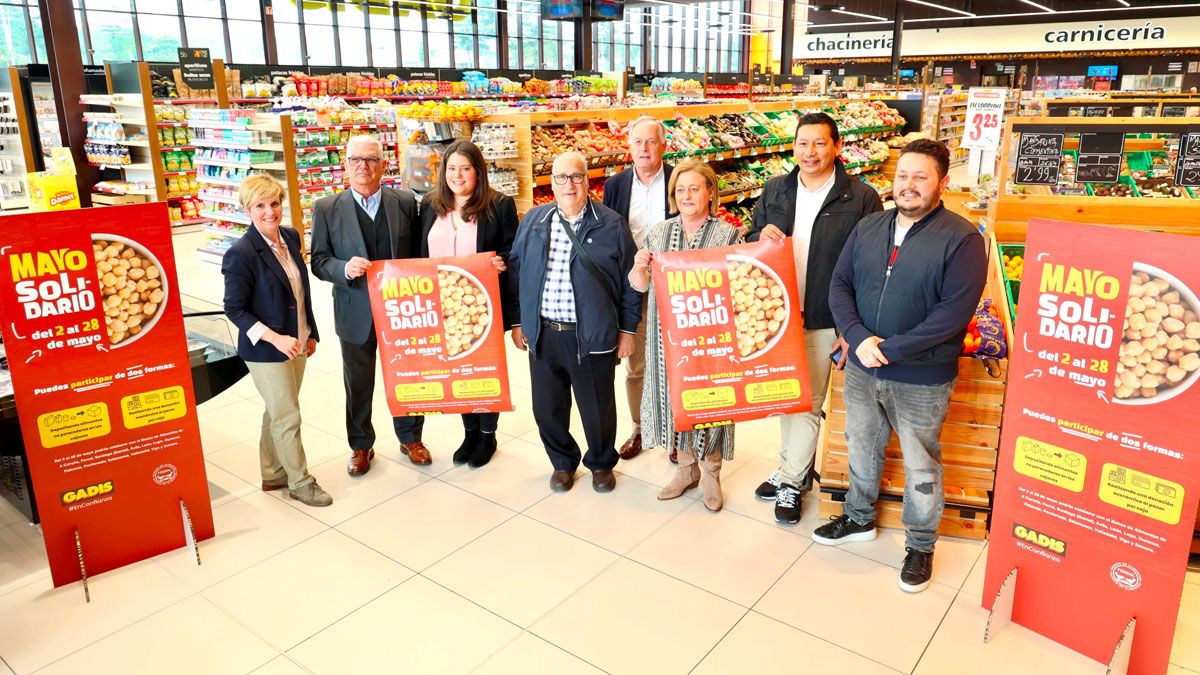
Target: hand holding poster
x=94 y=334
x=733 y=339
x=441 y=334
x=1098 y=478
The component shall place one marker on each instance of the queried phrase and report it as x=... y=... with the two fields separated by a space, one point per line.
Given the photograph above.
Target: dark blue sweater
x=922 y=308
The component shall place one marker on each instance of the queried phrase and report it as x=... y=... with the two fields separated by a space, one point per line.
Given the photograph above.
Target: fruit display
x=780 y=125
x=688 y=134
x=1160 y=188
x=1114 y=190
x=542 y=146
x=1066 y=171
x=432 y=111
x=857 y=154
x=738 y=180
x=865 y=117
x=738 y=217
x=732 y=129
x=901 y=141
x=675 y=85
x=1014 y=266
x=878 y=180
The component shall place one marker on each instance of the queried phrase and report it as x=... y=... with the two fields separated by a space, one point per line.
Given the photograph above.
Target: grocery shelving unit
x=18 y=155
x=1123 y=107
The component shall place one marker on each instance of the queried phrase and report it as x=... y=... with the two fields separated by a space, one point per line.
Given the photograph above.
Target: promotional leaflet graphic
x=985 y=115
x=441 y=334
x=103 y=387
x=1098 y=476
x=733 y=338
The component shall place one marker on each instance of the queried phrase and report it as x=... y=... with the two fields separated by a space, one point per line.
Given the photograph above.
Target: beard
x=921 y=206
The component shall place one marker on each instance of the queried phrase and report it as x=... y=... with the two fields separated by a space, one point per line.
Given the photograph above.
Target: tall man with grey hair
x=350 y=229
x=577 y=317
x=639 y=194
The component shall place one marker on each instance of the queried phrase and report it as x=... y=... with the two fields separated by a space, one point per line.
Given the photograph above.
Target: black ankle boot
x=464 y=451
x=484 y=450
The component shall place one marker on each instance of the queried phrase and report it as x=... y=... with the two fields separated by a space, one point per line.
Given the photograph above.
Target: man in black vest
x=639 y=194
x=364 y=223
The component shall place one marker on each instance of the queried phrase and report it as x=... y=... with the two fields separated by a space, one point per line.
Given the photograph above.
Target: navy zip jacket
x=598 y=315
x=922 y=308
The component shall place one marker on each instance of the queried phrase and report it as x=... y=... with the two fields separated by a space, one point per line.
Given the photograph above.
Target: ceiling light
x=950 y=9
x=1123 y=3
x=1044 y=8
x=865 y=16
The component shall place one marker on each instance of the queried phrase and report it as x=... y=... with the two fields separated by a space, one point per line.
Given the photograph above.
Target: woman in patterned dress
x=694 y=195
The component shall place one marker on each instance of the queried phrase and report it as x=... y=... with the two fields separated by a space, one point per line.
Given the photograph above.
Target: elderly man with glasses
x=577 y=318
x=350 y=229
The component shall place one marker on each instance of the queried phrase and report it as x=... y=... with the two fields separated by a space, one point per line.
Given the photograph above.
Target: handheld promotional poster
x=94 y=334
x=733 y=338
x=1098 y=477
x=441 y=334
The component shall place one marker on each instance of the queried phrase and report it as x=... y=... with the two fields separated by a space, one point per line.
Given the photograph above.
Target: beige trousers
x=799 y=432
x=280 y=450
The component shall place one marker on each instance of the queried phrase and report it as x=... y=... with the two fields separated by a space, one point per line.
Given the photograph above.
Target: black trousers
x=485 y=422
x=555 y=372
x=358 y=374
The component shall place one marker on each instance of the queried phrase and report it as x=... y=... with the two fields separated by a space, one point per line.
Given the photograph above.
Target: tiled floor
x=445 y=569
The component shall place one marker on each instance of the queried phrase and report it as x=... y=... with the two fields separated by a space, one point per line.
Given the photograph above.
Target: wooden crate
x=970 y=441
x=957 y=521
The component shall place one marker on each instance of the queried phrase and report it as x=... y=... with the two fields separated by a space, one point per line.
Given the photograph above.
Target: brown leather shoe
x=632 y=447
x=674 y=456
x=274 y=484
x=603 y=480
x=360 y=462
x=417 y=453
x=561 y=481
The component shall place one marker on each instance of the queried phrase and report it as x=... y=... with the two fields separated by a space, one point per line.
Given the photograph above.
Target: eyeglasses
x=369 y=161
x=575 y=178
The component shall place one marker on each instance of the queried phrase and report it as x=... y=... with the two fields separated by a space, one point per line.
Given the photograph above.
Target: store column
x=66 y=77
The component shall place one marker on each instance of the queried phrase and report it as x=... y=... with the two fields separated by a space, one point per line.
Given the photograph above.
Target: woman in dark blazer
x=462 y=215
x=267 y=298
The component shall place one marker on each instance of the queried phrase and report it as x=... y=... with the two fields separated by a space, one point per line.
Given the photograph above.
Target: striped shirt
x=558 y=295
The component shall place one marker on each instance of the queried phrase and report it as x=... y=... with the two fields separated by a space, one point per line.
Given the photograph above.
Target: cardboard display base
x=1119 y=664
x=1001 y=614
x=87 y=595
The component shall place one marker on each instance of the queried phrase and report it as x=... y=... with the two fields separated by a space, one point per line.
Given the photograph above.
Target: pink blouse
x=446 y=242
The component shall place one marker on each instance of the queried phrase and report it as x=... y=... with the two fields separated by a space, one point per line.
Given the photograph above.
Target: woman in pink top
x=462 y=215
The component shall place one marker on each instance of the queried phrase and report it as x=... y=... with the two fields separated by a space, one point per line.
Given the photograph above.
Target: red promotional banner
x=733 y=338
x=1098 y=480
x=95 y=341
x=441 y=334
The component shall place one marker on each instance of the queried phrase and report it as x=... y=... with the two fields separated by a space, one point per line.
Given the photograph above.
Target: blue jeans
x=874 y=407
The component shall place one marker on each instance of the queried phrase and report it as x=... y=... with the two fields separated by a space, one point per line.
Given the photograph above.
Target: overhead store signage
x=733 y=338
x=1187 y=166
x=1030 y=38
x=985 y=113
x=103 y=385
x=1039 y=157
x=1098 y=477
x=195 y=68
x=441 y=334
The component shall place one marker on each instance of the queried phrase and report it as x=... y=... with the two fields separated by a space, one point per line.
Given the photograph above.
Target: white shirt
x=902 y=232
x=369 y=204
x=647 y=205
x=808 y=204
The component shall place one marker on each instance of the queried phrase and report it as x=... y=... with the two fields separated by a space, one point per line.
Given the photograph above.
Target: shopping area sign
x=95 y=341
x=1099 y=476
x=984 y=118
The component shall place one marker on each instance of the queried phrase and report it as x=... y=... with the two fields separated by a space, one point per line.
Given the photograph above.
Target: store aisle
x=444 y=569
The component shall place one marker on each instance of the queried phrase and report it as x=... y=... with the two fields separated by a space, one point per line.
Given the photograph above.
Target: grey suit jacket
x=337 y=237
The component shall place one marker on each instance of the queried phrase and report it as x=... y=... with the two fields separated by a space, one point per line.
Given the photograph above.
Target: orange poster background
x=711 y=381
x=423 y=372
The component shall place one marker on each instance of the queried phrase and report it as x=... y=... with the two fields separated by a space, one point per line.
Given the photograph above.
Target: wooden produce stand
x=1140 y=107
x=970 y=441
x=1009 y=213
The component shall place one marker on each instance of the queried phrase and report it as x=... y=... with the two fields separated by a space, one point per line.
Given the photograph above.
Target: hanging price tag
x=985 y=114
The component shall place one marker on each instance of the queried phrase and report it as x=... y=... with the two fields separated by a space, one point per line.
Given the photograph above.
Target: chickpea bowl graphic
x=760 y=305
x=133 y=288
x=466 y=311
x=1160 y=341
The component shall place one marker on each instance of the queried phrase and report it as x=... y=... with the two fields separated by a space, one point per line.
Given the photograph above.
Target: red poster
x=441 y=334
x=733 y=338
x=1098 y=478
x=95 y=341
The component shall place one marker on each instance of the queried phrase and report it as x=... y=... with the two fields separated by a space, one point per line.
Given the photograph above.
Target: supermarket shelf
x=366 y=126
x=314 y=148
x=227 y=217
x=210 y=255
x=135 y=143
x=437 y=97
x=205 y=124
x=102 y=141
x=181 y=195
x=222 y=199
x=271 y=147
x=741 y=195
x=271 y=166
x=314 y=169
x=223 y=233
x=170 y=124
x=177 y=148
x=185 y=223
x=212 y=143
x=186 y=172
x=185 y=101
x=865 y=168
x=199 y=161
x=218 y=181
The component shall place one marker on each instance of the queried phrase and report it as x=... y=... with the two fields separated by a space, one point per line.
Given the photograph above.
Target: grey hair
x=364 y=138
x=570 y=156
x=646 y=119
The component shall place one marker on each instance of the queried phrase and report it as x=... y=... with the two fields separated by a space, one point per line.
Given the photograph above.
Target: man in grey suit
x=350 y=229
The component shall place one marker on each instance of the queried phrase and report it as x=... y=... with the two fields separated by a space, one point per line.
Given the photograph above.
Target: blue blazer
x=257 y=289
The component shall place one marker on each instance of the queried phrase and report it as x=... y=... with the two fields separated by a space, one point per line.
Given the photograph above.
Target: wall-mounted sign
x=195 y=68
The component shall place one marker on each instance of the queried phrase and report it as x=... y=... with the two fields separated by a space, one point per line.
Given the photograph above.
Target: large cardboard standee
x=1098 y=476
x=441 y=334
x=105 y=402
x=732 y=334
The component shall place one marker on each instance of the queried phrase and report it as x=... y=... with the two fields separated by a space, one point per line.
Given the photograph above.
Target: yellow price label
x=72 y=425
x=152 y=407
x=774 y=390
x=421 y=391
x=485 y=388
x=708 y=399
x=1132 y=490
x=1050 y=463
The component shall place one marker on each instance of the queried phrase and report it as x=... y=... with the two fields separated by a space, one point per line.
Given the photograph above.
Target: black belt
x=559 y=326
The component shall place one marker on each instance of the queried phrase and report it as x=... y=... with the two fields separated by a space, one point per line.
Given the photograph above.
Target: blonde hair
x=710 y=178
x=258 y=186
